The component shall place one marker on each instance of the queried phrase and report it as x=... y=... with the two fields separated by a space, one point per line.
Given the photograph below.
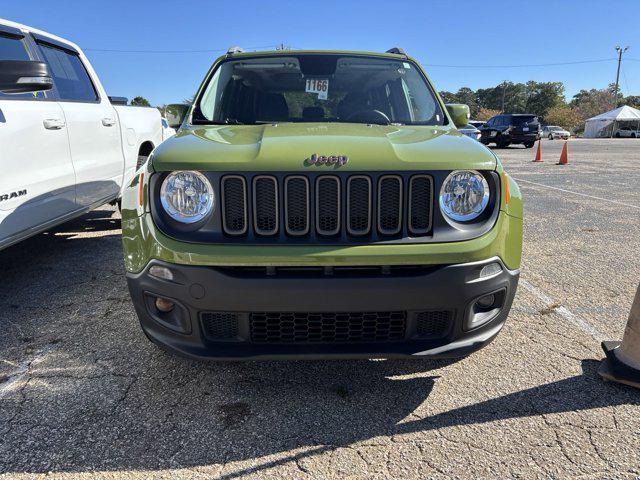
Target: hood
x=285 y=147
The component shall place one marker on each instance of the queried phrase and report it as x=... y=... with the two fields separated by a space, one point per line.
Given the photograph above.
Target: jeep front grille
x=327 y=207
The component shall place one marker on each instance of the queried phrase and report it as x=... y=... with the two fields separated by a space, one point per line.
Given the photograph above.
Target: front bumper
x=239 y=292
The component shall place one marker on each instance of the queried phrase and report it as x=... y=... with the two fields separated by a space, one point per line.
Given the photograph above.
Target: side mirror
x=460 y=114
x=24 y=76
x=175 y=114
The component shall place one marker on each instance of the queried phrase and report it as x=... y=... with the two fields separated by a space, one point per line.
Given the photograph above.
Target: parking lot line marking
x=564 y=312
x=576 y=193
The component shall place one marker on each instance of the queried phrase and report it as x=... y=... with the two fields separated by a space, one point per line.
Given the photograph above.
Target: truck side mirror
x=460 y=114
x=24 y=76
x=175 y=114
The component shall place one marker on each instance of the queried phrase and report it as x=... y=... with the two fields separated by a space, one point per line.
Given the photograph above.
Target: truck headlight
x=187 y=196
x=464 y=195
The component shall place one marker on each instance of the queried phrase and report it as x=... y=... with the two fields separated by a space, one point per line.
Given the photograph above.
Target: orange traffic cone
x=539 y=152
x=564 y=156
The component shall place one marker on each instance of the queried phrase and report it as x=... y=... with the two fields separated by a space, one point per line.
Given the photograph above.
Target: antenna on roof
x=233 y=50
x=396 y=50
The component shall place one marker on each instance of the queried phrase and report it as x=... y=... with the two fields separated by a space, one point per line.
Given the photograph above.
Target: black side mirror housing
x=175 y=114
x=24 y=76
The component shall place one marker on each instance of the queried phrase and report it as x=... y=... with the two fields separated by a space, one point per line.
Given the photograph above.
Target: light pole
x=620 y=51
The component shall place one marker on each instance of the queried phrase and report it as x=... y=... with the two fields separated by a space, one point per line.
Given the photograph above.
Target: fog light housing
x=164 y=305
x=484 y=309
x=487 y=301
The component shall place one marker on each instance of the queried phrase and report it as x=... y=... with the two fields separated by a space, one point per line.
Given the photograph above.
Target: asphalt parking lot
x=82 y=392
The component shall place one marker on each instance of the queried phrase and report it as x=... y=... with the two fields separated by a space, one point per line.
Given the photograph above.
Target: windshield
x=317 y=88
x=554 y=129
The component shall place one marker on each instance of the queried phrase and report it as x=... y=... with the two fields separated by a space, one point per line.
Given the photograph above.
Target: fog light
x=161 y=272
x=487 y=301
x=490 y=270
x=164 y=305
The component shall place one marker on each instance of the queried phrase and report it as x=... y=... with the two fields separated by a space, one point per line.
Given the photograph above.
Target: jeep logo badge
x=316 y=159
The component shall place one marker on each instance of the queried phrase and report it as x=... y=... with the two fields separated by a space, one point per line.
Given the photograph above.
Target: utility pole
x=620 y=51
x=504 y=86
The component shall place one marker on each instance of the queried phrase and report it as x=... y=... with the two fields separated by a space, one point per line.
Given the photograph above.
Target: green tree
x=565 y=117
x=140 y=102
x=589 y=103
x=541 y=97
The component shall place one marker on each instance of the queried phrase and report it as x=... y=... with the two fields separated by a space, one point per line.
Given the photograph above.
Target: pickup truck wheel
x=529 y=144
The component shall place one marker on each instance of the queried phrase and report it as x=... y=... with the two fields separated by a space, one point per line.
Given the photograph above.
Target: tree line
x=544 y=99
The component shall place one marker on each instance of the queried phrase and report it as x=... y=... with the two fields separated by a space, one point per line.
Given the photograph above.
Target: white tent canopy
x=604 y=124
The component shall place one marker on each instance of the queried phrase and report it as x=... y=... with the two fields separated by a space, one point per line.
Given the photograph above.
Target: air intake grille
x=328 y=205
x=327 y=208
x=234 y=204
x=297 y=205
x=219 y=325
x=390 y=205
x=359 y=205
x=332 y=327
x=265 y=205
x=420 y=198
x=434 y=324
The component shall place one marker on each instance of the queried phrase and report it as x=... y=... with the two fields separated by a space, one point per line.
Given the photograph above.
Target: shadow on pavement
x=105 y=399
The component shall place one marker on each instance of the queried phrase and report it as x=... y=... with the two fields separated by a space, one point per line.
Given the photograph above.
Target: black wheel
x=633 y=135
x=529 y=144
x=617 y=134
x=550 y=136
x=502 y=143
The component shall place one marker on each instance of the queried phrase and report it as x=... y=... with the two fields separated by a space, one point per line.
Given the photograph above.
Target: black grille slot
x=265 y=205
x=219 y=325
x=296 y=205
x=234 y=205
x=390 y=205
x=327 y=327
x=420 y=204
x=435 y=324
x=359 y=205
x=328 y=205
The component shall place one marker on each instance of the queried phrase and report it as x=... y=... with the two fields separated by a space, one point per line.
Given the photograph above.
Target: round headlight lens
x=187 y=196
x=464 y=195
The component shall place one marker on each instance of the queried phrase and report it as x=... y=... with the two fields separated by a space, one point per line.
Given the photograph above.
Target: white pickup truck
x=65 y=147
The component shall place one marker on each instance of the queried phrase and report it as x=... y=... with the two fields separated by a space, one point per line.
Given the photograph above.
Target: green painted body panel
x=284 y=147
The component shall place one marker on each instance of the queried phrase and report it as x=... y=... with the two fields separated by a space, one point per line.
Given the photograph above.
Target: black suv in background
x=508 y=128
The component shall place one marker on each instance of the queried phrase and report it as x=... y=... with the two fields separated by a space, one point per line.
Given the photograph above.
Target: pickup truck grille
x=327 y=206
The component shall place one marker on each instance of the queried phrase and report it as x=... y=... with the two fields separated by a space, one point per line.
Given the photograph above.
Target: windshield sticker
x=319 y=86
x=406 y=65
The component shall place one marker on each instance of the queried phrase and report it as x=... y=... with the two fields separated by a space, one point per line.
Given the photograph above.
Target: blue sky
x=460 y=33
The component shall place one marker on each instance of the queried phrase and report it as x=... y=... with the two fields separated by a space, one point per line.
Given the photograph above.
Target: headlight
x=187 y=196
x=464 y=195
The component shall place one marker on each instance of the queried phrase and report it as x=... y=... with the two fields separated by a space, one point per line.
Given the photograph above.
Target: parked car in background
x=470 y=131
x=552 y=132
x=65 y=147
x=476 y=123
x=627 y=131
x=511 y=128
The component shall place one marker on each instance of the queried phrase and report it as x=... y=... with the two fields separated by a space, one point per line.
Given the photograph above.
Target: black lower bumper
x=235 y=295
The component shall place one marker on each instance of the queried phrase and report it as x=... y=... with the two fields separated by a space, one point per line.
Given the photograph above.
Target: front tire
x=550 y=137
x=529 y=144
x=617 y=135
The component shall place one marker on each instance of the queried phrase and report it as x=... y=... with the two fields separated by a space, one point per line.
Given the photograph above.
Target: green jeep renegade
x=320 y=204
